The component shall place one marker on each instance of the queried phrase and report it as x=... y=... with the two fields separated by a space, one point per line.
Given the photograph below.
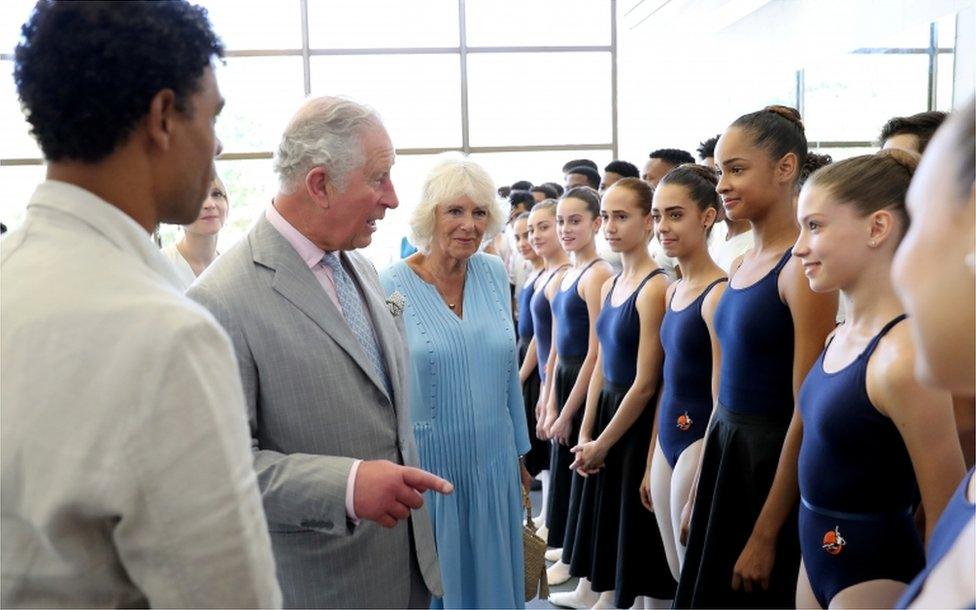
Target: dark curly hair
x=87 y=71
x=921 y=125
x=623 y=169
x=592 y=175
x=707 y=148
x=672 y=156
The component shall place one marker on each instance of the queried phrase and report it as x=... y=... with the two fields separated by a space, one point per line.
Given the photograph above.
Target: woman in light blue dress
x=465 y=395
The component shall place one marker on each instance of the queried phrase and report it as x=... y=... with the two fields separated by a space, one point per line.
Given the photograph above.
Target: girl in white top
x=198 y=247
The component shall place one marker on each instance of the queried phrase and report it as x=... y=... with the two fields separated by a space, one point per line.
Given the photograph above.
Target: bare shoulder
x=712 y=299
x=606 y=288
x=655 y=292
x=891 y=378
x=595 y=276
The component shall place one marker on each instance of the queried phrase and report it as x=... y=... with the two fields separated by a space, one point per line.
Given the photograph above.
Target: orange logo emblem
x=833 y=542
x=684 y=421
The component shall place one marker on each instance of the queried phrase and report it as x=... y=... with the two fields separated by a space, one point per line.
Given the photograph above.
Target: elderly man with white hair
x=324 y=372
x=465 y=396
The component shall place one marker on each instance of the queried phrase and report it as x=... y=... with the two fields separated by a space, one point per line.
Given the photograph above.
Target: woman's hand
x=547 y=422
x=526 y=477
x=590 y=457
x=560 y=429
x=755 y=564
x=645 y=490
x=540 y=421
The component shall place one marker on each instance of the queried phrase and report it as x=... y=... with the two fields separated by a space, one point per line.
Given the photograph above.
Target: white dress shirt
x=723 y=250
x=127 y=476
x=183 y=269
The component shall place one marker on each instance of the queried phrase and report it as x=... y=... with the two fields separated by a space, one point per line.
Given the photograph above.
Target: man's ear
x=319 y=187
x=159 y=120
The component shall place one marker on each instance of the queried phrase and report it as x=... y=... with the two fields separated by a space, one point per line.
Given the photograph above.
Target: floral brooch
x=396 y=303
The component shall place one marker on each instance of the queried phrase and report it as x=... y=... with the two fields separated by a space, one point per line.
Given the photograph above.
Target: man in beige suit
x=325 y=373
x=126 y=471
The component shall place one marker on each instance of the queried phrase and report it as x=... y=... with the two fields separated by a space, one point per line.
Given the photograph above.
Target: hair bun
x=706 y=173
x=813 y=162
x=906 y=159
x=790 y=114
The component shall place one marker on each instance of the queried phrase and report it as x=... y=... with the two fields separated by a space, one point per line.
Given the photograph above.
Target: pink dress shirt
x=312 y=255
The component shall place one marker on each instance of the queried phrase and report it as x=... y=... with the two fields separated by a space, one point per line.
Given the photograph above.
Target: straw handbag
x=536 y=583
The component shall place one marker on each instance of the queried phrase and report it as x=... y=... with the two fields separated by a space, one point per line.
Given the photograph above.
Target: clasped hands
x=589 y=457
x=386 y=492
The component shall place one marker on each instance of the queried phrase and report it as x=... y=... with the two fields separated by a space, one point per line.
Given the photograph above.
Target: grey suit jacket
x=314 y=406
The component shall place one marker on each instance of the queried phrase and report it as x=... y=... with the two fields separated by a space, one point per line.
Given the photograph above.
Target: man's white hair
x=326 y=131
x=454 y=177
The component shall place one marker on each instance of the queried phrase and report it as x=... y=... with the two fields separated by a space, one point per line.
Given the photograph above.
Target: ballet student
x=545 y=242
x=873 y=436
x=743 y=547
x=685 y=209
x=617 y=544
x=537 y=459
x=575 y=306
x=941 y=304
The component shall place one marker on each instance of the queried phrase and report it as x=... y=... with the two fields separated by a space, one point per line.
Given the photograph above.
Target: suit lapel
x=386 y=331
x=294 y=281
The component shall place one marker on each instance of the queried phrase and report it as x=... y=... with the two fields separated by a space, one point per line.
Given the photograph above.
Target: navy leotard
x=573 y=331
x=857 y=484
x=686 y=399
x=755 y=329
x=525 y=327
x=541 y=312
x=618 y=329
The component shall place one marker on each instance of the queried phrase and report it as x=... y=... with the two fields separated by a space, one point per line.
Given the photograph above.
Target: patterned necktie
x=354 y=310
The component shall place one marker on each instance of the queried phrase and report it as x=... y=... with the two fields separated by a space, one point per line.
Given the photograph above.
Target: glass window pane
x=944 y=81
x=382 y=24
x=537 y=22
x=408 y=175
x=15 y=138
x=839 y=154
x=947 y=31
x=579 y=112
x=262 y=94
x=850 y=97
x=914 y=37
x=536 y=167
x=256 y=24
x=13 y=14
x=418 y=96
x=19 y=182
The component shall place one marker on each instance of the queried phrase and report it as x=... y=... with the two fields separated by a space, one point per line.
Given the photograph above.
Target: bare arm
x=924 y=419
x=592 y=401
x=530 y=363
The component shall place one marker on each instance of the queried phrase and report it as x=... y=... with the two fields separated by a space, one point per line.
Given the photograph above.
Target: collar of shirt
x=307 y=251
x=117 y=227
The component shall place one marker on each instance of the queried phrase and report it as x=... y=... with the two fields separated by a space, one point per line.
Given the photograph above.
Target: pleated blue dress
x=469 y=425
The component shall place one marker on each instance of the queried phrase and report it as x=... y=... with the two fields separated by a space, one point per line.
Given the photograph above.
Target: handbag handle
x=527 y=503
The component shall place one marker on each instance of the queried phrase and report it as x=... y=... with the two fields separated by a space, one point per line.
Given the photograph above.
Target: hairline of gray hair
x=469 y=180
x=330 y=137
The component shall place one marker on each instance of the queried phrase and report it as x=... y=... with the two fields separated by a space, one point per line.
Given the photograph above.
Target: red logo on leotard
x=833 y=542
x=684 y=421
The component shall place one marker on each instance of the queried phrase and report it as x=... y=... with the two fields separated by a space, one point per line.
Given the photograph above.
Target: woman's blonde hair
x=450 y=179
